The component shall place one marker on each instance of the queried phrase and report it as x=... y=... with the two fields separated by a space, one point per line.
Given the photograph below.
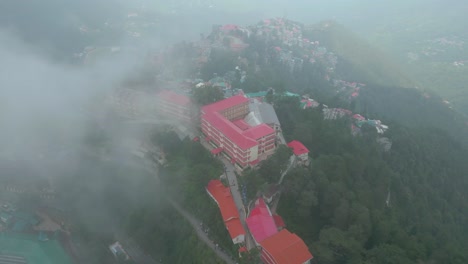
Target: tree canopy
x=207 y=94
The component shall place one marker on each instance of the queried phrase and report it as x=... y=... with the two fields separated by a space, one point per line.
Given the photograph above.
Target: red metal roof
x=173 y=97
x=260 y=221
x=226 y=103
x=279 y=221
x=228 y=129
x=243 y=137
x=298 y=148
x=286 y=248
x=222 y=195
x=241 y=124
x=259 y=131
x=235 y=228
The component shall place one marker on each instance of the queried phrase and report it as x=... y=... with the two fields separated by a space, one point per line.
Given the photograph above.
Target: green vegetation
x=407 y=32
x=163 y=232
x=356 y=203
x=269 y=172
x=190 y=168
x=207 y=95
x=125 y=199
x=362 y=61
x=339 y=204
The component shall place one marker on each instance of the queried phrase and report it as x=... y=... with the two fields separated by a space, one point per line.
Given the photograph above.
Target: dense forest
x=125 y=202
x=357 y=203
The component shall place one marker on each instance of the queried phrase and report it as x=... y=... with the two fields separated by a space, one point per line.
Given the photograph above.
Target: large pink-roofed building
x=224 y=126
x=261 y=222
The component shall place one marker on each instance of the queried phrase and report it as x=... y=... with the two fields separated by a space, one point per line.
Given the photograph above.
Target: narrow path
x=152 y=169
x=235 y=192
x=292 y=161
x=195 y=223
x=201 y=235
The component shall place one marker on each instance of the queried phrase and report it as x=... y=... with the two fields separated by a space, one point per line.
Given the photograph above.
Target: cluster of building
x=283 y=30
x=351 y=89
x=335 y=113
x=438 y=46
x=310 y=52
x=277 y=244
x=357 y=120
x=242 y=128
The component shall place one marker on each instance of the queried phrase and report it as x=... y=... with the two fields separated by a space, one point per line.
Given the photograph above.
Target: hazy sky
x=43 y=103
x=43 y=100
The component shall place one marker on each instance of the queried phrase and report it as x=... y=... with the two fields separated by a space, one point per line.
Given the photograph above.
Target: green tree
x=337 y=247
x=387 y=254
x=207 y=95
x=272 y=168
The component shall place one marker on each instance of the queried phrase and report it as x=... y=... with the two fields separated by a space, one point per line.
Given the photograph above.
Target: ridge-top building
x=232 y=130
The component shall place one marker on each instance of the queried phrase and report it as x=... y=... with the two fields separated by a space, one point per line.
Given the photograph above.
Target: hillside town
x=238 y=132
x=242 y=129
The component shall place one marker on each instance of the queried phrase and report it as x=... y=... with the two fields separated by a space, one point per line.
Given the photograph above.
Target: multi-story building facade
x=174 y=105
x=224 y=125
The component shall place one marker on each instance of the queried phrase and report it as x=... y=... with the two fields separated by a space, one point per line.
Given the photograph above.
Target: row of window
x=233 y=151
x=212 y=131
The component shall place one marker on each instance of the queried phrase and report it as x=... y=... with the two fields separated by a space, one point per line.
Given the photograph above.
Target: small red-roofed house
x=285 y=248
x=300 y=151
x=222 y=196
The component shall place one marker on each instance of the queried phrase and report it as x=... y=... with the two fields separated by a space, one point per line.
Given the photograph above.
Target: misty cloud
x=46 y=104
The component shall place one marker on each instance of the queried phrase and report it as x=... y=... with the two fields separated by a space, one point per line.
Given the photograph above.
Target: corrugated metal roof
x=286 y=248
x=260 y=221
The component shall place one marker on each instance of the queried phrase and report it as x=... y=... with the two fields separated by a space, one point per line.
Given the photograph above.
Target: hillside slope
x=368 y=63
